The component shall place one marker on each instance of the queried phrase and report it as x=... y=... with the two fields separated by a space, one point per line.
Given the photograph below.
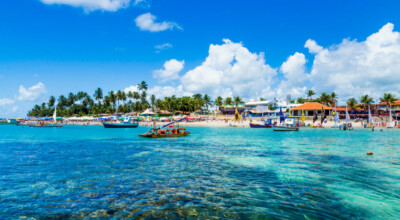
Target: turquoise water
x=230 y=173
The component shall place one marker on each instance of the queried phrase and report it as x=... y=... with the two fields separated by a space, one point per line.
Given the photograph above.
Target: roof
x=311 y=106
x=397 y=102
x=257 y=103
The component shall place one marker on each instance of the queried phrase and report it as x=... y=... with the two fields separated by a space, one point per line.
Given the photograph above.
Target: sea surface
x=215 y=173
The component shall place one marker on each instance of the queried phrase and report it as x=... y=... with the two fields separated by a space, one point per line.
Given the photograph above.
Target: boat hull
x=118 y=125
x=45 y=126
x=283 y=128
x=164 y=135
x=259 y=126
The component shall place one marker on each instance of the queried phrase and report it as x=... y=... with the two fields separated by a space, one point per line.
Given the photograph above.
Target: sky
x=254 y=48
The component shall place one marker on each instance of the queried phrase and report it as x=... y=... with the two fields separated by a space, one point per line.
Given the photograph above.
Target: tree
x=98 y=94
x=228 y=101
x=262 y=99
x=136 y=95
x=352 y=103
x=52 y=100
x=71 y=99
x=142 y=86
x=153 y=100
x=219 y=101
x=207 y=101
x=334 y=97
x=237 y=100
x=310 y=93
x=387 y=98
x=325 y=98
x=366 y=101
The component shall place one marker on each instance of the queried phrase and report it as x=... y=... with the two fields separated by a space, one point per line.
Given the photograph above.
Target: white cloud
x=354 y=68
x=230 y=69
x=293 y=70
x=32 y=93
x=6 y=101
x=92 y=5
x=131 y=89
x=146 y=22
x=161 y=47
x=312 y=46
x=170 y=71
x=163 y=91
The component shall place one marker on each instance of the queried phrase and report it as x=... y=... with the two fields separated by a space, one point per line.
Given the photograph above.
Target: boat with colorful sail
x=166 y=131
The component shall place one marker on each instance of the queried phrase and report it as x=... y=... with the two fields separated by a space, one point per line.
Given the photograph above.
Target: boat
x=48 y=124
x=266 y=124
x=127 y=123
x=287 y=124
x=167 y=131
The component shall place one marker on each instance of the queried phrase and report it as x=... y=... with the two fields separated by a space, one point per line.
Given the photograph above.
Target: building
x=309 y=108
x=394 y=106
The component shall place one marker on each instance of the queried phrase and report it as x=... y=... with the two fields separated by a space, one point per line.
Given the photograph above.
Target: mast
x=55 y=113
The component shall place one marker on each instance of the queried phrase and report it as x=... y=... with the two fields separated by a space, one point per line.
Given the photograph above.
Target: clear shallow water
x=230 y=173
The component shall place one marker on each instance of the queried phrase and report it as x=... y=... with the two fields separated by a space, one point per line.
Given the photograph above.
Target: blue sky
x=71 y=48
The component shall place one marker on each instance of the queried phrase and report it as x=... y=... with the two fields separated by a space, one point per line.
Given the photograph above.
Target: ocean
x=222 y=173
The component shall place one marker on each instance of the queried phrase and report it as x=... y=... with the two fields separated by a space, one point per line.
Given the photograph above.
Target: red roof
x=397 y=102
x=311 y=106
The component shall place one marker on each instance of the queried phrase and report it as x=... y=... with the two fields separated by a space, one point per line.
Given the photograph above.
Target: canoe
x=260 y=126
x=120 y=125
x=164 y=135
x=285 y=128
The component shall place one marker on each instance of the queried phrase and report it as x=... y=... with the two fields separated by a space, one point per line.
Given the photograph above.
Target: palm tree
x=237 y=100
x=219 y=101
x=142 y=86
x=207 y=101
x=153 y=100
x=52 y=100
x=112 y=98
x=98 y=94
x=136 y=95
x=352 y=103
x=334 y=96
x=366 y=101
x=325 y=98
x=228 y=101
x=310 y=93
x=71 y=99
x=387 y=98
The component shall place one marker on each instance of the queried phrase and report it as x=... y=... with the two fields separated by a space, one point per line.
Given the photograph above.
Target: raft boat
x=167 y=131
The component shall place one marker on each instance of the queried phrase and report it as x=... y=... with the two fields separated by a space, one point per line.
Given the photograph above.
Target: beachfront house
x=230 y=109
x=309 y=108
x=394 y=106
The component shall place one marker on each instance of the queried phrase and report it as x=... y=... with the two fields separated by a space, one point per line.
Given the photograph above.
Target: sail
x=303 y=117
x=323 y=116
x=173 y=122
x=390 y=116
x=336 y=117
x=281 y=116
x=347 y=116
x=237 y=115
x=315 y=117
x=55 y=113
x=370 y=119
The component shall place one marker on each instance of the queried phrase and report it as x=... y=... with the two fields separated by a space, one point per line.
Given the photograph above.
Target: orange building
x=309 y=108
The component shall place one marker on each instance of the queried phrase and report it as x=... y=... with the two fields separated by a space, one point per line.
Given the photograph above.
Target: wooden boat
x=48 y=124
x=45 y=125
x=173 y=132
x=267 y=124
x=127 y=123
x=285 y=128
x=167 y=131
x=254 y=125
x=290 y=124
